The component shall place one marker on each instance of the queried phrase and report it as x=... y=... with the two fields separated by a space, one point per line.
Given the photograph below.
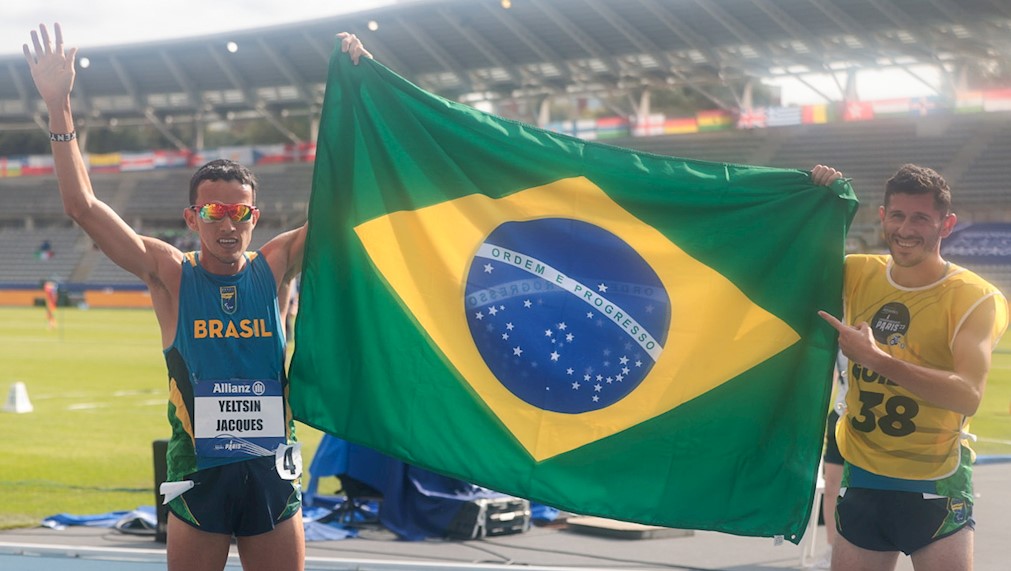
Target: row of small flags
x=753 y=118
x=29 y=165
x=782 y=116
x=647 y=126
x=588 y=129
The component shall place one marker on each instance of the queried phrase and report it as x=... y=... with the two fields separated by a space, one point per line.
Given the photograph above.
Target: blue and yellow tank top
x=887 y=430
x=227 y=384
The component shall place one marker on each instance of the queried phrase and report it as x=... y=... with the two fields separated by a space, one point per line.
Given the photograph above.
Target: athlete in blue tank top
x=226 y=368
x=233 y=463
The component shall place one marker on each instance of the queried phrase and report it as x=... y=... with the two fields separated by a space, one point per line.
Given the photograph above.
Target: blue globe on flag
x=567 y=316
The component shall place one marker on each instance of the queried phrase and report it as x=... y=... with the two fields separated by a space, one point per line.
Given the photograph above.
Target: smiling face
x=915 y=217
x=222 y=242
x=913 y=228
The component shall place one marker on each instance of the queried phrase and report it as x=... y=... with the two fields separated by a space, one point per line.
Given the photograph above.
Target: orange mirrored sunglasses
x=215 y=211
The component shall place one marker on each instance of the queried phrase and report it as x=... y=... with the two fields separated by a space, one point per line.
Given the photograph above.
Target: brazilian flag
x=609 y=332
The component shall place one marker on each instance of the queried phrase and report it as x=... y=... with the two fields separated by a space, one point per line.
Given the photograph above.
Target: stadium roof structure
x=473 y=50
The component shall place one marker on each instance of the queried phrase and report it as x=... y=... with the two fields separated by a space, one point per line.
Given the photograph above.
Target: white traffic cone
x=17 y=399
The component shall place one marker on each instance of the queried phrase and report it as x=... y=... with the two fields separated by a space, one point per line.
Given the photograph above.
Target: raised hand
x=824 y=176
x=52 y=68
x=351 y=45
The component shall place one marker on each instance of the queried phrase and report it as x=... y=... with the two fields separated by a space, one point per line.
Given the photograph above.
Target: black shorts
x=243 y=498
x=832 y=455
x=885 y=520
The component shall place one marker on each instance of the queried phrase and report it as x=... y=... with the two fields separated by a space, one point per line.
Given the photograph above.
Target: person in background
x=233 y=463
x=45 y=251
x=918 y=332
x=50 y=296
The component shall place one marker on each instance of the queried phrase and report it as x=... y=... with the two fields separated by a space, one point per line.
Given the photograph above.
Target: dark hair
x=222 y=169
x=914 y=179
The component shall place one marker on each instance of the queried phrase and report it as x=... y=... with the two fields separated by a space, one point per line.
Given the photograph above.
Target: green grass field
x=99 y=387
x=98 y=384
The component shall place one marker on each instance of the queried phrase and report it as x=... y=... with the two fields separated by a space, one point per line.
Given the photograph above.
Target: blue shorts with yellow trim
x=889 y=520
x=243 y=498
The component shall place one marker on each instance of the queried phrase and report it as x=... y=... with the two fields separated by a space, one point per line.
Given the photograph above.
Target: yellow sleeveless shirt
x=887 y=430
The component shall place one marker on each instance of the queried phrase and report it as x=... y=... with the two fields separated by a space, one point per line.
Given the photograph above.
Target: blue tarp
x=143 y=521
x=416 y=503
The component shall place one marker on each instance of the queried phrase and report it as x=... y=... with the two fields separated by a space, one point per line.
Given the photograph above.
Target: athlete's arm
x=284 y=252
x=284 y=255
x=53 y=73
x=960 y=390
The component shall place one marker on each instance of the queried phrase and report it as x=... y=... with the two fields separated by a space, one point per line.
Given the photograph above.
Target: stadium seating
x=730 y=146
x=29 y=197
x=158 y=196
x=22 y=263
x=986 y=179
x=283 y=192
x=970 y=150
x=867 y=153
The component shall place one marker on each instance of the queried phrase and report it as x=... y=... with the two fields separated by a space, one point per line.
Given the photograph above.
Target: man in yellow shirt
x=918 y=332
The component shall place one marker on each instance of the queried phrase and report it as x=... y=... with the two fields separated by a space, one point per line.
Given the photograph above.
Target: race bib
x=288 y=460
x=238 y=418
